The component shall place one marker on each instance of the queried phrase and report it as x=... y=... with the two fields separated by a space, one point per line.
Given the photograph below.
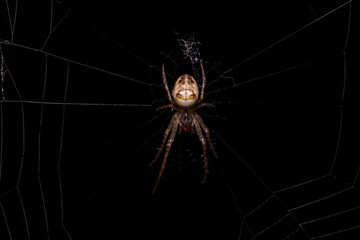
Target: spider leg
x=203 y=105
x=166 y=85
x=207 y=133
x=203 y=142
x=166 y=134
x=166 y=106
x=167 y=150
x=203 y=83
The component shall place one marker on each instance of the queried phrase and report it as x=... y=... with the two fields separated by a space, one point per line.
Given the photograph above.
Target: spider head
x=186 y=91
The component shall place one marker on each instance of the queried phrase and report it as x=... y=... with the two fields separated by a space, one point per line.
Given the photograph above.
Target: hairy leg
x=207 y=133
x=166 y=106
x=203 y=105
x=203 y=142
x=167 y=151
x=166 y=134
x=203 y=82
x=166 y=85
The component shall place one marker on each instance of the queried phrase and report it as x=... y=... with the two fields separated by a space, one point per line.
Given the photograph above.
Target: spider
x=185 y=101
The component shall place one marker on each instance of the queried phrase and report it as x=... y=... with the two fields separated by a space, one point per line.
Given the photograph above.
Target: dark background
x=79 y=126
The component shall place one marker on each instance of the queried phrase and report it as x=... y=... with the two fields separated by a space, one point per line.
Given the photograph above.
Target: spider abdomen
x=186 y=91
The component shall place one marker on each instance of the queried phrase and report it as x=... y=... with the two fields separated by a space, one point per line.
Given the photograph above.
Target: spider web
x=80 y=83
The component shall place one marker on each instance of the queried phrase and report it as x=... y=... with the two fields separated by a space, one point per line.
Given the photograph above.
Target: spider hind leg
x=207 y=133
x=166 y=134
x=203 y=142
x=173 y=126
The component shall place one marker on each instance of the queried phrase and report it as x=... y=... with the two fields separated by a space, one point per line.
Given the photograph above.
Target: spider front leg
x=166 y=85
x=203 y=142
x=203 y=82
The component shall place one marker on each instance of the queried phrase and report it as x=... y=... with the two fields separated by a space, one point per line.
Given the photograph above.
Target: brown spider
x=186 y=101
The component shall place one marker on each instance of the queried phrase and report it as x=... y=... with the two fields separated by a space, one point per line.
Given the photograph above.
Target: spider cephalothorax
x=185 y=100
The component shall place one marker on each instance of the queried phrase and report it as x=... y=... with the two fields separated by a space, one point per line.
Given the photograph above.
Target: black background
x=282 y=75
